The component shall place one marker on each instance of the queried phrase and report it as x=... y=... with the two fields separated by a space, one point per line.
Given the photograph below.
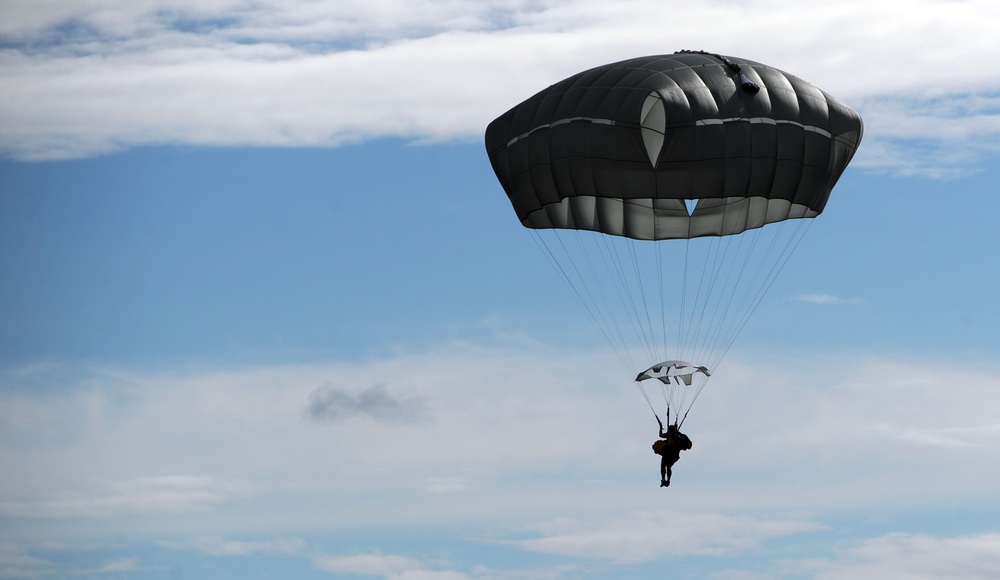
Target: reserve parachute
x=668 y=192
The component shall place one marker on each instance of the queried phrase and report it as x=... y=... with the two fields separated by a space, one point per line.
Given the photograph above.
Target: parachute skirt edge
x=664 y=219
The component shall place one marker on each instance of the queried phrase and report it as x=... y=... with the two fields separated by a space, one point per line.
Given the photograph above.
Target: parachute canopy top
x=624 y=148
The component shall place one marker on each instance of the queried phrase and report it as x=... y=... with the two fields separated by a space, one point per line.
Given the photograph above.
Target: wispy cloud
x=142 y=496
x=386 y=566
x=978 y=436
x=931 y=135
x=915 y=556
x=17 y=562
x=218 y=546
x=84 y=79
x=827 y=299
x=645 y=536
x=446 y=484
x=119 y=565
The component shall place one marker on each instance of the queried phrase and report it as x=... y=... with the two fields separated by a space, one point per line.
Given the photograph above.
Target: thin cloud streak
x=367 y=564
x=218 y=546
x=140 y=496
x=649 y=535
x=827 y=299
x=915 y=556
x=16 y=561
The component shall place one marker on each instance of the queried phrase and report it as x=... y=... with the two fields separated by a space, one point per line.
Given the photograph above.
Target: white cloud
x=119 y=565
x=913 y=556
x=236 y=72
x=305 y=20
x=127 y=439
x=977 y=436
x=139 y=496
x=930 y=134
x=648 y=535
x=217 y=546
x=386 y=566
x=429 y=575
x=17 y=562
x=446 y=484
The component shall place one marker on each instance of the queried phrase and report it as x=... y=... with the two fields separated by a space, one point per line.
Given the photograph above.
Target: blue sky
x=266 y=311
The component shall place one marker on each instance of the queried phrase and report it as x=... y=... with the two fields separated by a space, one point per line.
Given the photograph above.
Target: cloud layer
x=163 y=451
x=511 y=448
x=85 y=78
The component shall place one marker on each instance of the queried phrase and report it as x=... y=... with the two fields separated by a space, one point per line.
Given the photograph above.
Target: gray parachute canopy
x=622 y=148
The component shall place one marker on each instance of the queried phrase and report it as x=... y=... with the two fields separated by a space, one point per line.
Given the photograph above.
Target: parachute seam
x=594 y=120
x=697 y=123
x=765 y=121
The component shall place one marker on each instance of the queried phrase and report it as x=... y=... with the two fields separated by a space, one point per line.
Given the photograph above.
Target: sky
x=265 y=311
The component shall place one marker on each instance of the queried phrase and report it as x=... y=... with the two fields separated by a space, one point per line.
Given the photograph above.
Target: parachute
x=668 y=192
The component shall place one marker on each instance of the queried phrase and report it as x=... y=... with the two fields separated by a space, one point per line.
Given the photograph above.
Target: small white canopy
x=677 y=370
